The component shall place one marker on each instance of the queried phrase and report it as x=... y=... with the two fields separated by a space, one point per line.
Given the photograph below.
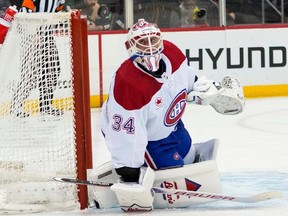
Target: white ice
x=252 y=157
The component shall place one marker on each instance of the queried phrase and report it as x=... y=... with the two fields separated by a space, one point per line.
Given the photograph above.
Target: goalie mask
x=145 y=45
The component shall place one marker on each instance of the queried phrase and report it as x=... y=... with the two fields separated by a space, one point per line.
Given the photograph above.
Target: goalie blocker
x=226 y=97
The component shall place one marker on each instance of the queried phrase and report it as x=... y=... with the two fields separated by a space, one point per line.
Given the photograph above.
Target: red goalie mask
x=145 y=45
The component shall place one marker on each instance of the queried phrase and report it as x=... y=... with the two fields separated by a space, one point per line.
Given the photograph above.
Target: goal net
x=44 y=113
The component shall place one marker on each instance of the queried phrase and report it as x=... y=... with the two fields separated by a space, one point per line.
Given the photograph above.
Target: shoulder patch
x=174 y=54
x=133 y=89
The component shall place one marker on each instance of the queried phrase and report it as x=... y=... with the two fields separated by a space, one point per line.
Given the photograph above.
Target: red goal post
x=44 y=67
x=81 y=81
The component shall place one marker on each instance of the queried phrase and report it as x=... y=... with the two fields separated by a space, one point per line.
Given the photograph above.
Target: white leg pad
x=103 y=197
x=202 y=176
x=136 y=196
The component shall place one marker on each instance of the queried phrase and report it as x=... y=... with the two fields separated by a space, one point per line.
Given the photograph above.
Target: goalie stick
x=205 y=195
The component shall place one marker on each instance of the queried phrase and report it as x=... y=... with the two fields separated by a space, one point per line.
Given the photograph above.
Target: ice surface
x=252 y=158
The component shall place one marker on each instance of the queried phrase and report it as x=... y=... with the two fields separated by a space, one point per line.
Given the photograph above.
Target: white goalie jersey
x=143 y=108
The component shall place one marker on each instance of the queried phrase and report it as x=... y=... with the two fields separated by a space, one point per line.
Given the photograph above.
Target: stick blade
x=81 y=182
x=263 y=196
x=57 y=179
x=72 y=181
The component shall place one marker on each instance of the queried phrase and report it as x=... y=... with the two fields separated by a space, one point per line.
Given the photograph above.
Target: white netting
x=37 y=132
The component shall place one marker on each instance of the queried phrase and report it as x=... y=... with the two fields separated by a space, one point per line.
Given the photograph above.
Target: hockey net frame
x=79 y=140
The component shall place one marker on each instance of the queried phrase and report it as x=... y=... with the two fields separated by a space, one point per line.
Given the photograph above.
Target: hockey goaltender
x=143 y=130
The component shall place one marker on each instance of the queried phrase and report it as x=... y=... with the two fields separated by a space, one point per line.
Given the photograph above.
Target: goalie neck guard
x=145 y=44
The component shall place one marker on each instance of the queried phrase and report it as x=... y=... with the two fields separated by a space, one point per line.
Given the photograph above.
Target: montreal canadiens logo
x=176 y=109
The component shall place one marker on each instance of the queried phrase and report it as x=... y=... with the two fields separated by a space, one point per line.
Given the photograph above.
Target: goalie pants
x=40 y=68
x=169 y=152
